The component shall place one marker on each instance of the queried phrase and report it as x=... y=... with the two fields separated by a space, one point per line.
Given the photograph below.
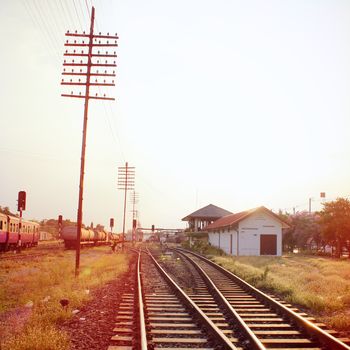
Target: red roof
x=230 y=220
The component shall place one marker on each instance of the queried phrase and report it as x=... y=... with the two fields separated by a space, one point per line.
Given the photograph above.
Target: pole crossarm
x=89 y=97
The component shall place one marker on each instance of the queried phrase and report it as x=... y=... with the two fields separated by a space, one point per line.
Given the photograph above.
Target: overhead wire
x=47 y=43
x=76 y=12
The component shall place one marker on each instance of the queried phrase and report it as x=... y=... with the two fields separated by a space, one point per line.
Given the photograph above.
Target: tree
x=6 y=211
x=335 y=219
x=304 y=227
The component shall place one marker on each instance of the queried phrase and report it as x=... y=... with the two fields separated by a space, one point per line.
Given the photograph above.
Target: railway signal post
x=21 y=205
x=84 y=57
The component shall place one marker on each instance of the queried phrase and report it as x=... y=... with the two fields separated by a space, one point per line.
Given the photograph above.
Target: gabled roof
x=209 y=212
x=233 y=219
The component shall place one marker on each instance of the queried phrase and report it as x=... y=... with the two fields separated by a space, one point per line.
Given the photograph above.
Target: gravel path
x=92 y=327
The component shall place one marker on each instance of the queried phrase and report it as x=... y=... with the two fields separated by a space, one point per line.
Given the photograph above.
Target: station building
x=255 y=232
x=203 y=217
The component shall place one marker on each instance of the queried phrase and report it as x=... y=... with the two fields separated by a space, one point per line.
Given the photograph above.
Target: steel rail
x=254 y=341
x=310 y=328
x=142 y=322
x=211 y=328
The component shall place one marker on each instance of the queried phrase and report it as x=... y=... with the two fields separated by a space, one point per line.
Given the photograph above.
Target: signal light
x=60 y=219
x=21 y=200
x=152 y=228
x=134 y=223
x=111 y=222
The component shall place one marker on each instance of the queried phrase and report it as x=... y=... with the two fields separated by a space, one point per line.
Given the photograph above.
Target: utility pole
x=126 y=182
x=80 y=76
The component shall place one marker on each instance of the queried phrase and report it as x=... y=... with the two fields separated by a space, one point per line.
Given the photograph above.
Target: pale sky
x=234 y=103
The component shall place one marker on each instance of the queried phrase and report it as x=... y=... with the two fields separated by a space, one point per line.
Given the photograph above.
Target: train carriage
x=10 y=237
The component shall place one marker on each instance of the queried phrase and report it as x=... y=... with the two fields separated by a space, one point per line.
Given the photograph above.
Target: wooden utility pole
x=126 y=182
x=88 y=65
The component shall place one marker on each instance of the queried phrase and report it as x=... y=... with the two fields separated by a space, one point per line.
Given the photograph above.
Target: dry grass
x=43 y=282
x=320 y=284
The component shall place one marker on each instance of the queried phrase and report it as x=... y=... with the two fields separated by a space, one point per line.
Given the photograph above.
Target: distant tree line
x=6 y=211
x=326 y=231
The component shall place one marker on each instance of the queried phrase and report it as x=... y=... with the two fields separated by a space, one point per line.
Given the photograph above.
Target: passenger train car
x=9 y=233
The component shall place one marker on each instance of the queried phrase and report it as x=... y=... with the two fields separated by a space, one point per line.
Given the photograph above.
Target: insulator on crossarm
x=113 y=62
x=98 y=52
x=95 y=80
x=106 y=61
x=73 y=51
x=84 y=32
x=71 y=92
x=98 y=61
x=107 y=33
x=67 y=41
x=83 y=42
x=81 y=70
x=75 y=41
x=105 y=72
x=72 y=70
x=79 y=80
x=96 y=94
x=99 y=33
x=81 y=61
x=114 y=52
x=72 y=61
x=112 y=81
x=107 y=41
x=80 y=93
x=67 y=31
x=76 y=32
x=64 y=61
x=66 y=51
x=64 y=69
x=82 y=51
x=62 y=80
x=106 y=52
x=104 y=95
x=104 y=81
x=114 y=72
x=71 y=80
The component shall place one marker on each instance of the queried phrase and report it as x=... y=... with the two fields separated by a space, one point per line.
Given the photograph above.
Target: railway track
x=20 y=256
x=260 y=320
x=160 y=316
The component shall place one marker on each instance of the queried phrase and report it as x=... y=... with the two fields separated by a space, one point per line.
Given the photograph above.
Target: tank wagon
x=88 y=236
x=10 y=238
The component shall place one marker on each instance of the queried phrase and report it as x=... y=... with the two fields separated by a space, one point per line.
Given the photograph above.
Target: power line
x=76 y=12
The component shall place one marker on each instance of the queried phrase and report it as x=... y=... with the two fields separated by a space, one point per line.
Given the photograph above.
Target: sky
x=232 y=103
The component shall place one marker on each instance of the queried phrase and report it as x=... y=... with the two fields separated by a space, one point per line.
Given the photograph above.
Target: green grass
x=44 y=282
x=319 y=285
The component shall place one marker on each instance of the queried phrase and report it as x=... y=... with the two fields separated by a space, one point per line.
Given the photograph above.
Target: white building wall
x=249 y=231
x=252 y=227
x=223 y=240
x=213 y=239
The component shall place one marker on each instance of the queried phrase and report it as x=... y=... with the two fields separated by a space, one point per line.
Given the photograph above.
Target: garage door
x=268 y=244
